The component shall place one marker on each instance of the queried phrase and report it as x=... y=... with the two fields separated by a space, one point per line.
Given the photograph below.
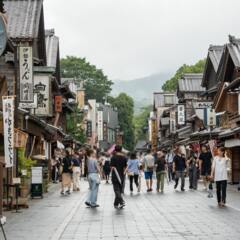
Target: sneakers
x=88 y=204
x=95 y=206
x=182 y=189
x=68 y=192
x=175 y=186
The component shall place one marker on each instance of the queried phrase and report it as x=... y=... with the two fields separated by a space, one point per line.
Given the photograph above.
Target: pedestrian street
x=172 y=215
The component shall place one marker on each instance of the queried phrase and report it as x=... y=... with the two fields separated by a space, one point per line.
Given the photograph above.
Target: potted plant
x=24 y=170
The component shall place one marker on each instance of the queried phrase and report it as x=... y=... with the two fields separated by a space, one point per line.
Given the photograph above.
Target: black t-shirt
x=67 y=162
x=76 y=162
x=180 y=163
x=206 y=158
x=120 y=163
x=160 y=162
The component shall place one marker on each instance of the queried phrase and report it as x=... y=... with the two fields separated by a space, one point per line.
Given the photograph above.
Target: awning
x=232 y=143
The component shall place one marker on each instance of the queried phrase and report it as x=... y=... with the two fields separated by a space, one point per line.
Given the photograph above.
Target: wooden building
x=226 y=101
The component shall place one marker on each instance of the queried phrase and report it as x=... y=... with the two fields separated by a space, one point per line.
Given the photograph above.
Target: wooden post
x=1 y=189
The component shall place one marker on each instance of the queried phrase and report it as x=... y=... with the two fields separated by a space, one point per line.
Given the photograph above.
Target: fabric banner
x=8 y=126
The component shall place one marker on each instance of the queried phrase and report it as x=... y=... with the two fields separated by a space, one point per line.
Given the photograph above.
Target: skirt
x=66 y=179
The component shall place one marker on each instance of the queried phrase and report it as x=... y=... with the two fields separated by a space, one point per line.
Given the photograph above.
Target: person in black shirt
x=67 y=165
x=205 y=165
x=118 y=165
x=193 y=170
x=179 y=167
x=161 y=167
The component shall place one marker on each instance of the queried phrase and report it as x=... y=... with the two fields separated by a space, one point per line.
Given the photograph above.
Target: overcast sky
x=135 y=38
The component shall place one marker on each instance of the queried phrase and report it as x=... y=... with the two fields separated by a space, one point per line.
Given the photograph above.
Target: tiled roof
x=23 y=17
x=234 y=50
x=159 y=100
x=191 y=82
x=215 y=54
x=52 y=47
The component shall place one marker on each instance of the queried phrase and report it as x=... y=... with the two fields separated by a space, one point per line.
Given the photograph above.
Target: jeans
x=170 y=172
x=118 y=189
x=180 y=174
x=221 y=191
x=76 y=178
x=160 y=180
x=135 y=178
x=193 y=178
x=93 y=179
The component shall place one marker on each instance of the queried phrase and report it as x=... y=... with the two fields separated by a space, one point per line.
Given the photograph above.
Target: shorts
x=148 y=175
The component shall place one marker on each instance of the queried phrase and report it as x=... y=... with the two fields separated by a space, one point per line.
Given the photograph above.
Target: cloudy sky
x=135 y=38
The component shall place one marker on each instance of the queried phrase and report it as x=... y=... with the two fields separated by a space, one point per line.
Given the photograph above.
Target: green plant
x=24 y=163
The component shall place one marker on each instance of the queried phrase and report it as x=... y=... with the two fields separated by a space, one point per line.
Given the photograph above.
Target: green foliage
x=97 y=85
x=75 y=126
x=125 y=106
x=24 y=163
x=171 y=84
x=141 y=122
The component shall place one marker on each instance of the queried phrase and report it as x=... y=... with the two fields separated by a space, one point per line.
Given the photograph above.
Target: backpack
x=149 y=161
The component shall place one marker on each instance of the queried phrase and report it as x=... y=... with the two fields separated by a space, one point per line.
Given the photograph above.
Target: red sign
x=58 y=103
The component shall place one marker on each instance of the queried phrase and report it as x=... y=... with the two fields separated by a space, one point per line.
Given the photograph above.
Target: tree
x=97 y=85
x=75 y=126
x=125 y=106
x=141 y=122
x=171 y=84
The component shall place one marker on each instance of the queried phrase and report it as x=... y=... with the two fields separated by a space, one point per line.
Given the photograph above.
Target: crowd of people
x=165 y=166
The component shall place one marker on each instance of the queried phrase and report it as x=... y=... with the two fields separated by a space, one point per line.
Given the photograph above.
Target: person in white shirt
x=219 y=174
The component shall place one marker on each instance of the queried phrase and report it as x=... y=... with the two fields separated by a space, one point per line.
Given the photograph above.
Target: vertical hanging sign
x=100 y=125
x=26 y=75
x=8 y=126
x=181 y=114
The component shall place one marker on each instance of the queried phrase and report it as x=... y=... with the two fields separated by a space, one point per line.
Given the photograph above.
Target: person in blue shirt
x=133 y=171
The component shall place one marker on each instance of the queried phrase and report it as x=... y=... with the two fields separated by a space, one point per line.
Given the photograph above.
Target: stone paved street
x=174 y=215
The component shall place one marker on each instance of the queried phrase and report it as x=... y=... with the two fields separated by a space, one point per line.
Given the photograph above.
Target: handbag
x=98 y=180
x=130 y=174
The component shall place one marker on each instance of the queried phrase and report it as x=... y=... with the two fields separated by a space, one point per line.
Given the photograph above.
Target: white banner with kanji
x=8 y=128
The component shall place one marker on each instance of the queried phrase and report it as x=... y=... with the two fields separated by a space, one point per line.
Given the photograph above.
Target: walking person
x=93 y=178
x=161 y=167
x=219 y=174
x=193 y=170
x=179 y=168
x=67 y=166
x=205 y=163
x=118 y=165
x=148 y=163
x=106 y=167
x=76 y=172
x=169 y=159
x=133 y=171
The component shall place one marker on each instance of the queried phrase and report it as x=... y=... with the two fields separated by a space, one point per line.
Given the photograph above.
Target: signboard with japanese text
x=100 y=125
x=20 y=138
x=26 y=75
x=32 y=105
x=42 y=87
x=89 y=129
x=58 y=103
x=8 y=126
x=105 y=132
x=211 y=117
x=181 y=114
